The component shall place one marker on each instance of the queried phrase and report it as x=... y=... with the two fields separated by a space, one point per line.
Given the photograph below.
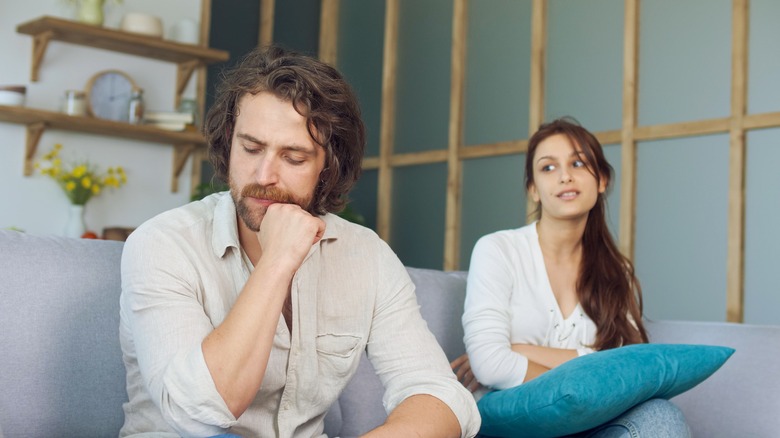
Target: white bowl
x=145 y=24
x=12 y=96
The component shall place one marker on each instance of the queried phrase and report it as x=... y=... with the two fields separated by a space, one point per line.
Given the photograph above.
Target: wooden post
x=538 y=66
x=266 y=35
x=628 y=143
x=387 y=120
x=455 y=136
x=329 y=31
x=735 y=260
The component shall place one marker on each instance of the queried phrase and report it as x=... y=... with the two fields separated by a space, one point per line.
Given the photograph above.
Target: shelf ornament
x=80 y=181
x=91 y=11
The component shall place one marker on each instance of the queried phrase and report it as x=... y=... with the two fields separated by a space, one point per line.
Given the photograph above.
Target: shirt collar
x=225 y=227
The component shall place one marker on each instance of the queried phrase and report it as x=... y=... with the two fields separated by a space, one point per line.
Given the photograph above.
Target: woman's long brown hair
x=607 y=288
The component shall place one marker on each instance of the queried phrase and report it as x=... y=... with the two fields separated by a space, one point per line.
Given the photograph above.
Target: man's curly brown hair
x=318 y=92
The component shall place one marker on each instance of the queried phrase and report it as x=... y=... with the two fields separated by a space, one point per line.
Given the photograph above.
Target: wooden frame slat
x=267 y=14
x=418 y=158
x=387 y=120
x=538 y=67
x=494 y=149
x=455 y=136
x=329 y=31
x=627 y=217
x=683 y=129
x=758 y=121
x=735 y=258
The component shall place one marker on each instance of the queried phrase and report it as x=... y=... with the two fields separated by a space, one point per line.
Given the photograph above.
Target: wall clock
x=108 y=95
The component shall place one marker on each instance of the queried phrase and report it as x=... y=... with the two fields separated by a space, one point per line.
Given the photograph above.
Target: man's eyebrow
x=249 y=138
x=291 y=147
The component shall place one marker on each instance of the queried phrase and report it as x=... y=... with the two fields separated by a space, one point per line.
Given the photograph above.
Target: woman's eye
x=548 y=168
x=579 y=163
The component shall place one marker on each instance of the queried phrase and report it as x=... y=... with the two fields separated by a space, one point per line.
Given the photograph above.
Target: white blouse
x=509 y=300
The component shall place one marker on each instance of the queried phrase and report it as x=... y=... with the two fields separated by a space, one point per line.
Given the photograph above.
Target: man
x=248 y=312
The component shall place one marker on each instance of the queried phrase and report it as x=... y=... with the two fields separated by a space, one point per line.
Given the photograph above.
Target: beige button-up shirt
x=182 y=272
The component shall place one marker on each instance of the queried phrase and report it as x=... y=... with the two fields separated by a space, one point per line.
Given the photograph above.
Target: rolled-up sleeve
x=162 y=306
x=405 y=354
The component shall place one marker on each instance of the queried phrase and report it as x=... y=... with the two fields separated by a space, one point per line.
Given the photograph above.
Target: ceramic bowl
x=12 y=95
x=145 y=24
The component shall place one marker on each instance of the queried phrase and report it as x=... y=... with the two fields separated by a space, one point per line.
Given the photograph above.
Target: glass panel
x=417 y=233
x=361 y=36
x=293 y=29
x=680 y=245
x=585 y=46
x=423 y=78
x=764 y=58
x=684 y=60
x=494 y=199
x=762 y=241
x=497 y=71
x=363 y=197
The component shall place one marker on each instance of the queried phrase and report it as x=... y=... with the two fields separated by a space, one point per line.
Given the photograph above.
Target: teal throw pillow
x=590 y=390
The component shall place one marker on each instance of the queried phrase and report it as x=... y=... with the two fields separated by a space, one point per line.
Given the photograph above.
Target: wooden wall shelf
x=37 y=121
x=187 y=56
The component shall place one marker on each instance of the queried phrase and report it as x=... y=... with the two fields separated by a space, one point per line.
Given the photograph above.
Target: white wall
x=36 y=204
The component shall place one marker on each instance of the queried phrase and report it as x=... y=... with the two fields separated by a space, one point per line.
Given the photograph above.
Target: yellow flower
x=80 y=181
x=79 y=171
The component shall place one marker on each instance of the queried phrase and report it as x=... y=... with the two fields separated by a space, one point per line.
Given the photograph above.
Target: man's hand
x=462 y=368
x=237 y=351
x=287 y=233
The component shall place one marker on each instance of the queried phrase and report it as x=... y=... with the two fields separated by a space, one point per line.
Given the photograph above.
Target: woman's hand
x=462 y=369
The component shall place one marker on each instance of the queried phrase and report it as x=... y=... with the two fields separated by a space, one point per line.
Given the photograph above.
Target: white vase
x=75 y=227
x=91 y=12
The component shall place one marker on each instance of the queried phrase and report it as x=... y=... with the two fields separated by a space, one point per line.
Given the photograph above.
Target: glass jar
x=75 y=103
x=136 y=110
x=189 y=106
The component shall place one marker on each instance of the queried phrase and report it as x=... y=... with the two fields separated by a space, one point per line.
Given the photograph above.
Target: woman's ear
x=533 y=193
x=603 y=183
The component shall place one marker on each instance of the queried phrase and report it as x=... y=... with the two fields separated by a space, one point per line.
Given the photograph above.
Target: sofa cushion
x=61 y=370
x=590 y=390
x=741 y=399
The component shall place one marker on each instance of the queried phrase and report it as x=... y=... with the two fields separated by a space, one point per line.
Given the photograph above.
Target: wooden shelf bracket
x=181 y=152
x=34 y=132
x=40 y=43
x=183 y=75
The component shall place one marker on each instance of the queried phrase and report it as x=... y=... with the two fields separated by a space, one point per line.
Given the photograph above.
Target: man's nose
x=268 y=171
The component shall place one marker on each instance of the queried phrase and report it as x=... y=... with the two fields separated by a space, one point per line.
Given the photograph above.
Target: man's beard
x=253 y=217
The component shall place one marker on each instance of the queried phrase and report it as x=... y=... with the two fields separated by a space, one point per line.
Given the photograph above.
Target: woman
x=558 y=288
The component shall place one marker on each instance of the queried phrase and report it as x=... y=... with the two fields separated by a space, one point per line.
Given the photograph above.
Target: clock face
x=109 y=95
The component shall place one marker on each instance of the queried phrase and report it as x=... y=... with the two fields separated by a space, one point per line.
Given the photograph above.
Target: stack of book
x=169 y=120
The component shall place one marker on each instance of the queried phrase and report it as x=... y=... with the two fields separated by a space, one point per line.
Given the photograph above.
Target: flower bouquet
x=80 y=181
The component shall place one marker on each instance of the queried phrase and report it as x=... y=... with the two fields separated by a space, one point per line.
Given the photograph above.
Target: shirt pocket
x=337 y=353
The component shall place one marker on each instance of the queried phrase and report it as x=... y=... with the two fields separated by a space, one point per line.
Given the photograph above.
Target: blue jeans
x=656 y=418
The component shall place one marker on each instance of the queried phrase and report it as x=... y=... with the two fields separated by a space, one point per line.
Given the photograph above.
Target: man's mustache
x=255 y=190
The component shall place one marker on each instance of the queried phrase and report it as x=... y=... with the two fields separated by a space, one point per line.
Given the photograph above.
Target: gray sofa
x=61 y=372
